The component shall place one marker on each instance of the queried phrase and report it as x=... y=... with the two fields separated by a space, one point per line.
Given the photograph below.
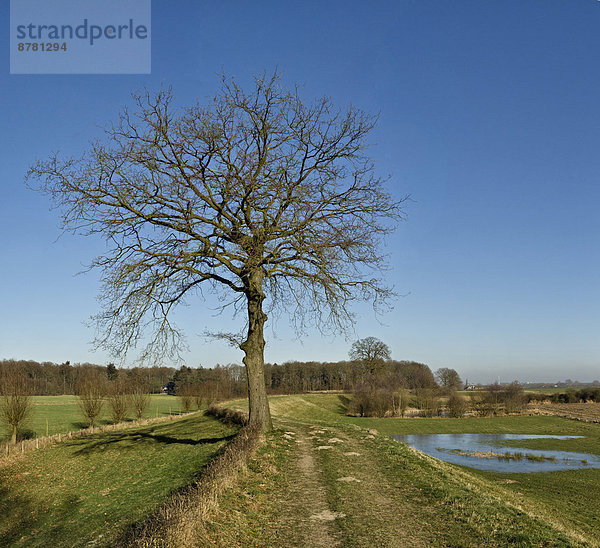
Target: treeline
x=295 y=377
x=384 y=399
x=51 y=379
x=220 y=382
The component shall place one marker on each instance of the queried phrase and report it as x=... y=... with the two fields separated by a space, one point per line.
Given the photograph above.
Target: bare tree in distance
x=185 y=393
x=119 y=397
x=15 y=399
x=91 y=390
x=257 y=196
x=371 y=353
x=140 y=395
x=448 y=379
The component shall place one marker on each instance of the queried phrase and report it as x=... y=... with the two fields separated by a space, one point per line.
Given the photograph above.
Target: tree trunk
x=14 y=435
x=254 y=347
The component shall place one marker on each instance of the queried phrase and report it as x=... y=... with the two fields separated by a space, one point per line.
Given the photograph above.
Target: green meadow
x=90 y=489
x=61 y=414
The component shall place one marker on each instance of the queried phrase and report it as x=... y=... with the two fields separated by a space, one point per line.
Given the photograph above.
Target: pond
x=482 y=451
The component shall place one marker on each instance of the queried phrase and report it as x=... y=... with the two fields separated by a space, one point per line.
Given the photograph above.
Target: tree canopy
x=371 y=353
x=257 y=196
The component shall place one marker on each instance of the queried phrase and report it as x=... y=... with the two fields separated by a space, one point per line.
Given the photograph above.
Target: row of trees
x=50 y=379
x=121 y=395
x=382 y=400
x=93 y=388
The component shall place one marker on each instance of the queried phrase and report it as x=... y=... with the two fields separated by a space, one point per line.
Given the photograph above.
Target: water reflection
x=478 y=451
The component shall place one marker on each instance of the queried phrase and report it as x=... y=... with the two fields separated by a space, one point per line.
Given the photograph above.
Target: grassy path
x=322 y=480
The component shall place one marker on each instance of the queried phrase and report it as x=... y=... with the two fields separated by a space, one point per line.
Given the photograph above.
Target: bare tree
x=371 y=353
x=91 y=389
x=457 y=405
x=15 y=399
x=266 y=200
x=199 y=394
x=118 y=400
x=185 y=393
x=140 y=396
x=448 y=379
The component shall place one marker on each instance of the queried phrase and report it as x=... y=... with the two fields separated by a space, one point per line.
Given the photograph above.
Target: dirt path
x=306 y=514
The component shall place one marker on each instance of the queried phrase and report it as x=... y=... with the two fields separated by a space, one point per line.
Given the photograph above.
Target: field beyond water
x=321 y=479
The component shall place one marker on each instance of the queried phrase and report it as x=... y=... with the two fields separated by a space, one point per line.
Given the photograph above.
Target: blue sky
x=489 y=118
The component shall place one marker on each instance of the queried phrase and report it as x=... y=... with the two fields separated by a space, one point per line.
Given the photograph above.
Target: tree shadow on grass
x=22 y=518
x=133 y=440
x=343 y=406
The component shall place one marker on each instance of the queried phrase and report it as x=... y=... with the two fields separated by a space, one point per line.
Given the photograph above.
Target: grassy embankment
x=90 y=489
x=61 y=414
x=320 y=480
x=329 y=482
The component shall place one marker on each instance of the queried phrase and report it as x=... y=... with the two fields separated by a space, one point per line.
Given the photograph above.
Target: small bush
x=91 y=390
x=428 y=401
x=118 y=400
x=457 y=405
x=185 y=393
x=371 y=402
x=228 y=416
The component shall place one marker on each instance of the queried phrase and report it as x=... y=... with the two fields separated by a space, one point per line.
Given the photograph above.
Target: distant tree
x=416 y=375
x=112 y=372
x=266 y=200
x=371 y=353
x=185 y=392
x=15 y=399
x=428 y=401
x=448 y=379
x=403 y=401
x=140 y=396
x=514 y=398
x=182 y=377
x=199 y=394
x=118 y=400
x=91 y=390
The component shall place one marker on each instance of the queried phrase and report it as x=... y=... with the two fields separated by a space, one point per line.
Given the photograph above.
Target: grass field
x=87 y=490
x=60 y=414
x=321 y=479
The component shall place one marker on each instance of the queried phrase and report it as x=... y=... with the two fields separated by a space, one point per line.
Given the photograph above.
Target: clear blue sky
x=489 y=118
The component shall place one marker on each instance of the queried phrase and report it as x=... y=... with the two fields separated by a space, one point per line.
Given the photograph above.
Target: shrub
x=185 y=392
x=91 y=390
x=15 y=400
x=427 y=400
x=371 y=402
x=403 y=396
x=457 y=405
x=140 y=398
x=514 y=398
x=118 y=400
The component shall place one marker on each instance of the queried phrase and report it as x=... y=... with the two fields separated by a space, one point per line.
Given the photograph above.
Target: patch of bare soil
x=586 y=412
x=307 y=509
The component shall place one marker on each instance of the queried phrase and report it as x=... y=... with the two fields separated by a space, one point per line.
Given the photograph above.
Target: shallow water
x=446 y=446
